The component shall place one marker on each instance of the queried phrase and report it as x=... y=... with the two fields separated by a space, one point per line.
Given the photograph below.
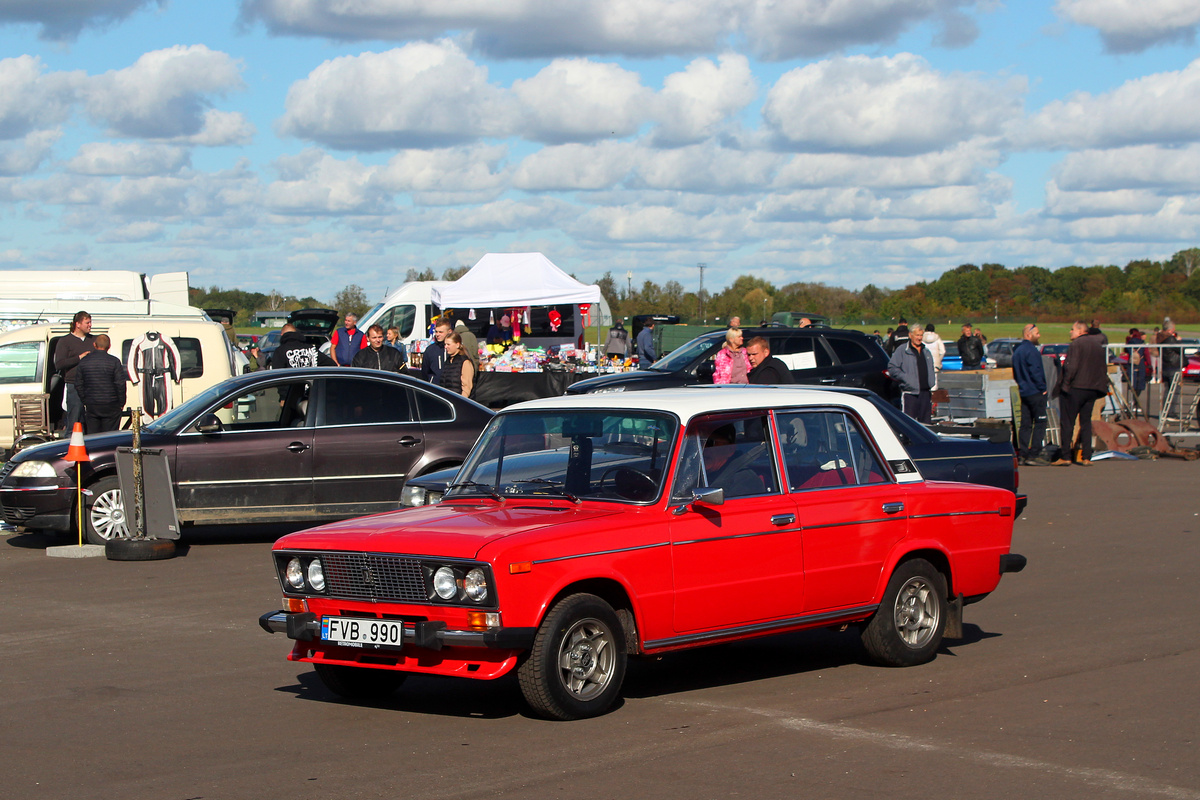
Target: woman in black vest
x=458 y=371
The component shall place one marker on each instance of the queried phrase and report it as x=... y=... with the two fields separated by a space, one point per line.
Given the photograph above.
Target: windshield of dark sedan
x=681 y=358
x=607 y=455
x=181 y=415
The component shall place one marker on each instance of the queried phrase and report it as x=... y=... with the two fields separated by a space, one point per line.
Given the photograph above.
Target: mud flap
x=954 y=618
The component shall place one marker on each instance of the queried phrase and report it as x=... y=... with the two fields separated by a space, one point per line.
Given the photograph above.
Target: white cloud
x=134 y=232
x=822 y=204
x=581 y=167
x=963 y=164
x=31 y=100
x=20 y=158
x=695 y=104
x=128 y=158
x=313 y=182
x=1169 y=169
x=446 y=176
x=891 y=105
x=1072 y=205
x=1130 y=26
x=419 y=95
x=165 y=94
x=62 y=20
x=706 y=168
x=576 y=100
x=1162 y=108
x=549 y=28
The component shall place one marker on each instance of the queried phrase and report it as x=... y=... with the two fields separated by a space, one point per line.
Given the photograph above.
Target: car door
x=807 y=356
x=851 y=511
x=366 y=442
x=258 y=466
x=738 y=562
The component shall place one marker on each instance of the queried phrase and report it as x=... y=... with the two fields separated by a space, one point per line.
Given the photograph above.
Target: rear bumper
x=1022 y=501
x=1012 y=562
x=430 y=634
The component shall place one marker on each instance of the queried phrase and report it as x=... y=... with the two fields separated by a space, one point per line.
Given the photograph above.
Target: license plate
x=358 y=631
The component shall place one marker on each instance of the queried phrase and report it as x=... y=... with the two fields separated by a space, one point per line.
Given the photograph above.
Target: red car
x=585 y=529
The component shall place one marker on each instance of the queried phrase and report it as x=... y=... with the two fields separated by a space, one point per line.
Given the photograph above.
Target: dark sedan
x=303 y=444
x=816 y=356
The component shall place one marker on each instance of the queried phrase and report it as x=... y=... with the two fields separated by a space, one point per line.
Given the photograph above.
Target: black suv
x=822 y=356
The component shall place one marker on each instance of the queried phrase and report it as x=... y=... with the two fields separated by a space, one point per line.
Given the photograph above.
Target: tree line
x=1140 y=291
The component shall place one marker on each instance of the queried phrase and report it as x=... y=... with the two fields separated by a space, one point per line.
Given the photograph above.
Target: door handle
x=783 y=519
x=297 y=447
x=893 y=508
x=408 y=441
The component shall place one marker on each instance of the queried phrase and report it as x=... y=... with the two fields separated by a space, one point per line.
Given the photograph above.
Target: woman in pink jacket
x=731 y=361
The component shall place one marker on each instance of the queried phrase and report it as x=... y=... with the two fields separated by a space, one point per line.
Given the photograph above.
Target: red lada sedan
x=583 y=530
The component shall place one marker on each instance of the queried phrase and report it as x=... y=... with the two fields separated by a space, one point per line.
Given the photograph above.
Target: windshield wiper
x=553 y=486
x=487 y=488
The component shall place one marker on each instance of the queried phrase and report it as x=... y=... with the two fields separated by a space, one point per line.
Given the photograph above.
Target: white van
x=409 y=308
x=31 y=297
x=27 y=362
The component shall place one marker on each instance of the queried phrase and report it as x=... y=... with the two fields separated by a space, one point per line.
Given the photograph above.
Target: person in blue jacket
x=1030 y=376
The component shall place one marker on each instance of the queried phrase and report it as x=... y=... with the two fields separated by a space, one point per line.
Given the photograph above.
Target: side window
x=431 y=408
x=848 y=352
x=800 y=352
x=282 y=405
x=823 y=449
x=21 y=362
x=365 y=402
x=730 y=453
x=191 y=356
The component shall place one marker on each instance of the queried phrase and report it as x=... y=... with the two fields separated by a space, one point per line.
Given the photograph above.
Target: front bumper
x=429 y=634
x=33 y=506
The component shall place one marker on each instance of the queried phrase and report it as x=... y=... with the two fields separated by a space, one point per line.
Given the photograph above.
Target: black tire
x=359 y=683
x=139 y=549
x=908 y=626
x=577 y=663
x=104 y=512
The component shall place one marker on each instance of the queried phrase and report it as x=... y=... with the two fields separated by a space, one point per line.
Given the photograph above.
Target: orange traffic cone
x=77 y=452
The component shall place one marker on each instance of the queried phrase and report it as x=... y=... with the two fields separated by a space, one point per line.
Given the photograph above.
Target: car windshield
x=617 y=455
x=682 y=357
x=175 y=419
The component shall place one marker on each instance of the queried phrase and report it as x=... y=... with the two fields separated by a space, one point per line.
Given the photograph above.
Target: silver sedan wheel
x=107 y=515
x=587 y=658
x=917 y=611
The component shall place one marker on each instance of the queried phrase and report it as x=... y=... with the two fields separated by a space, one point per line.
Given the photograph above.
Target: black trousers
x=1032 y=432
x=1073 y=404
x=919 y=406
x=100 y=420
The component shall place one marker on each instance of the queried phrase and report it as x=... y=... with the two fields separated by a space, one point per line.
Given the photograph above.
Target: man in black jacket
x=434 y=357
x=970 y=347
x=376 y=356
x=764 y=367
x=100 y=384
x=69 y=353
x=295 y=351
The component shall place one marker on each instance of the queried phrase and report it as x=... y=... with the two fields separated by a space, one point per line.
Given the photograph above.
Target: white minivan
x=27 y=362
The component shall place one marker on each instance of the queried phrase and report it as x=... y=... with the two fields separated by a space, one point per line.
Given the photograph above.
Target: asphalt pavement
x=1076 y=679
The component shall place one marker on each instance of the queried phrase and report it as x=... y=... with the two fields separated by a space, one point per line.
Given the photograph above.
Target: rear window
x=191 y=356
x=849 y=352
x=800 y=352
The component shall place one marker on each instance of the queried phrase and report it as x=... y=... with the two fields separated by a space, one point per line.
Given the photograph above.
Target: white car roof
x=693 y=401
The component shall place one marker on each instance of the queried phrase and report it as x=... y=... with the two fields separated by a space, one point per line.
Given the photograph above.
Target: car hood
x=635 y=379
x=105 y=443
x=451 y=530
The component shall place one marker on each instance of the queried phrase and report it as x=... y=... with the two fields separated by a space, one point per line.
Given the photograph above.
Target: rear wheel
x=359 y=683
x=577 y=663
x=104 y=511
x=908 y=626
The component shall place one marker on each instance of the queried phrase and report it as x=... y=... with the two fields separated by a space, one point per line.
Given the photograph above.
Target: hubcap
x=917 y=612
x=586 y=658
x=107 y=515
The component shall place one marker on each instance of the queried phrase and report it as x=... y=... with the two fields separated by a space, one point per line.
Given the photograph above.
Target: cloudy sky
x=303 y=145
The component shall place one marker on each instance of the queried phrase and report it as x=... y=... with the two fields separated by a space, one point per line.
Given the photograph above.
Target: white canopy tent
x=514 y=279
x=518 y=279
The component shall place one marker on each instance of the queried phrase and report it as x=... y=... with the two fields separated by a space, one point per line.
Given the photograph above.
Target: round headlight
x=295 y=574
x=475 y=585
x=444 y=584
x=316 y=575
x=34 y=469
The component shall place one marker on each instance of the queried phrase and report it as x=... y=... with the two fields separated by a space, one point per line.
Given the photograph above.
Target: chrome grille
x=371 y=576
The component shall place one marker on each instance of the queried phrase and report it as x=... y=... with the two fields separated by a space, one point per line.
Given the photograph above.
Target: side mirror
x=709 y=495
x=208 y=424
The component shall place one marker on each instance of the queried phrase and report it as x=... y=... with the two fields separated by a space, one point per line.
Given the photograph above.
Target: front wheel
x=577 y=663
x=907 y=628
x=359 y=683
x=104 y=512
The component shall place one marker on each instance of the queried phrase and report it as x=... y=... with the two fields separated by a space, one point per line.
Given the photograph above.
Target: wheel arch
x=935 y=556
x=612 y=592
